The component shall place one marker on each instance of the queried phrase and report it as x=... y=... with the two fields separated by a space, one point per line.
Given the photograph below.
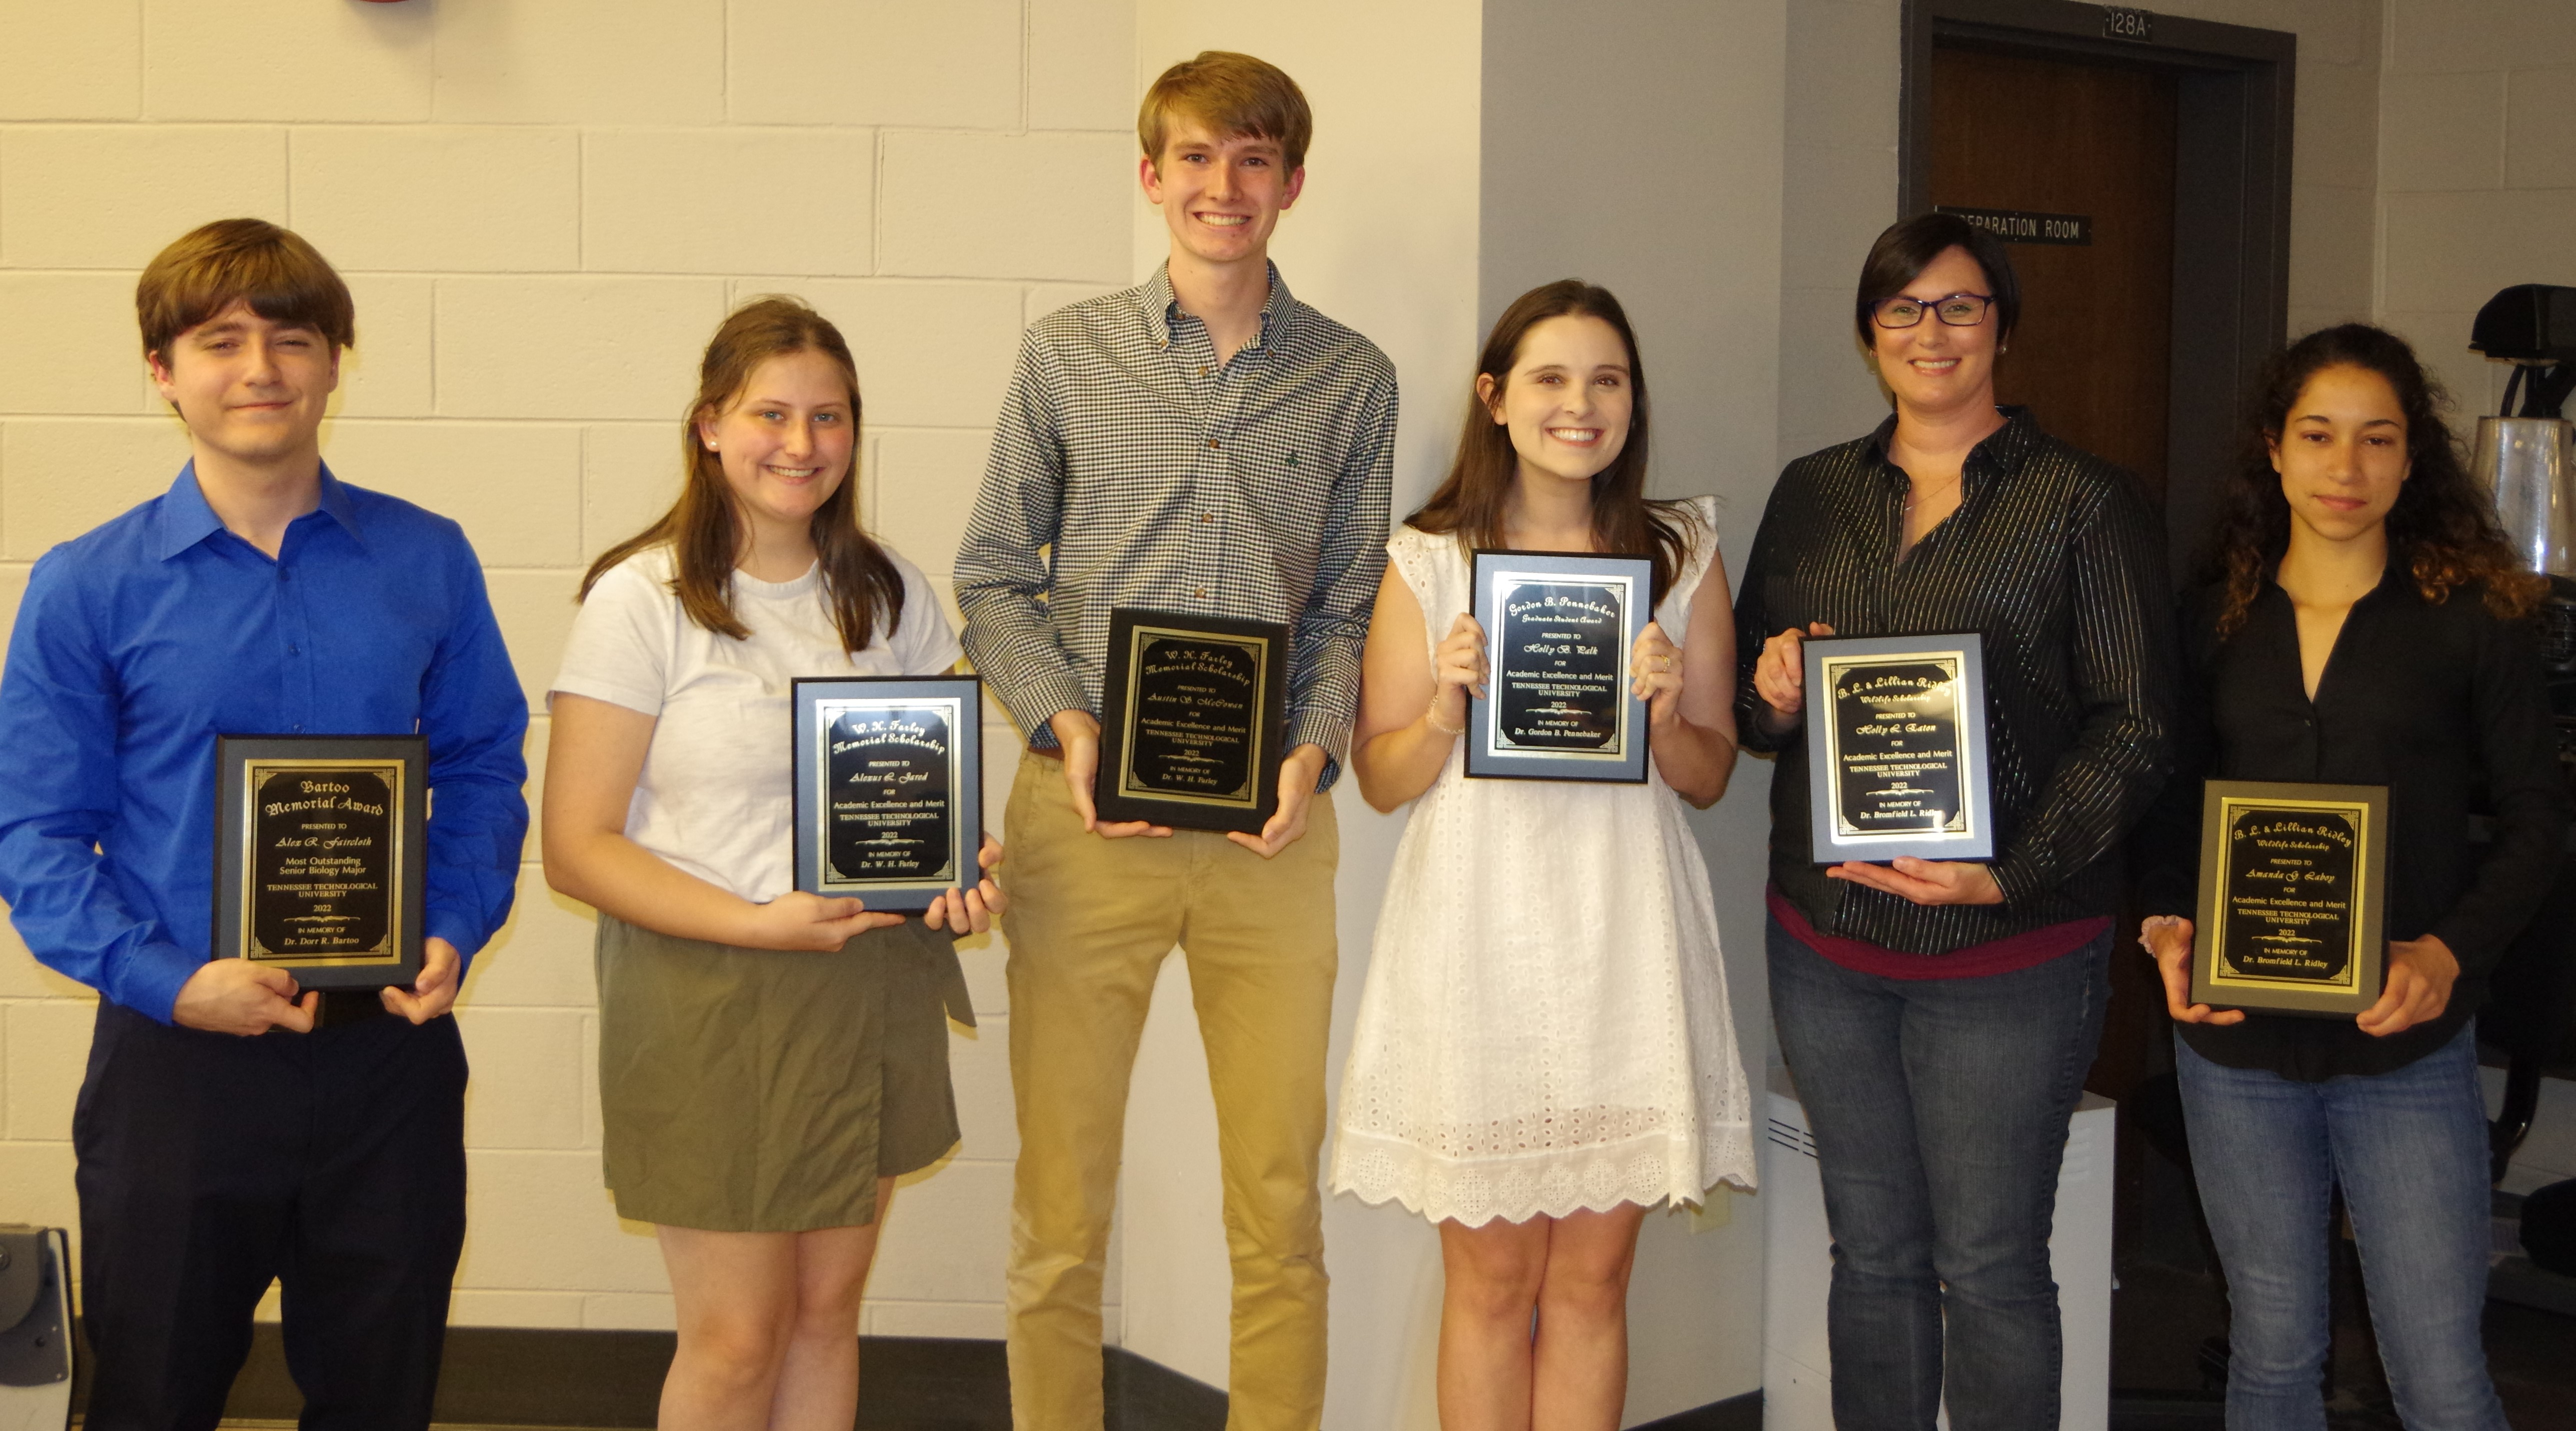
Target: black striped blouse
x=2056 y=559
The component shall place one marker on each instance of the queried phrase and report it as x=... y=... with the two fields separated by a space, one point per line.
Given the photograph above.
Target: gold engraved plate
x=2292 y=898
x=322 y=845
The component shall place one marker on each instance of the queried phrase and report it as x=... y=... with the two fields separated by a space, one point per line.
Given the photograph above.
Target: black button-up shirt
x=2440 y=702
x=2053 y=557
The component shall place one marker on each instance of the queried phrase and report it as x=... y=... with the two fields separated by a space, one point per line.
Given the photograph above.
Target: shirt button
x=1207 y=516
x=1212 y=442
x=1201 y=594
x=1203 y=371
x=295 y=650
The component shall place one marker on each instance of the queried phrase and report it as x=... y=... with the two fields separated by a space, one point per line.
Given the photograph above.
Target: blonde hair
x=1235 y=95
x=210 y=268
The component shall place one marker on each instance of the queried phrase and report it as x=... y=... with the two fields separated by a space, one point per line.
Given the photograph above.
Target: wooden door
x=2093 y=354
x=2091 y=357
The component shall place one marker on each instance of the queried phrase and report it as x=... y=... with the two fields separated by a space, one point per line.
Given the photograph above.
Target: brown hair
x=1470 y=503
x=209 y=268
x=1908 y=246
x=2442 y=532
x=861 y=587
x=1237 y=96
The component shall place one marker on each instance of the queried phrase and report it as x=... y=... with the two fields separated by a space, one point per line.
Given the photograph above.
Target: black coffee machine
x=2527 y=459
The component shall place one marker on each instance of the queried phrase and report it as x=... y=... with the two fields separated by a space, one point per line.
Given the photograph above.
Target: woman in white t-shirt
x=770 y=1060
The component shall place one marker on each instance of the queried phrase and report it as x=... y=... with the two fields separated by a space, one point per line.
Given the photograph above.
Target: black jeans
x=1939 y=1108
x=333 y=1162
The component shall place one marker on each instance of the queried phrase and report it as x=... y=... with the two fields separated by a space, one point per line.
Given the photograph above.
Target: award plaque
x=889 y=804
x=1896 y=748
x=2293 y=891
x=1192 y=716
x=1559 y=627
x=321 y=856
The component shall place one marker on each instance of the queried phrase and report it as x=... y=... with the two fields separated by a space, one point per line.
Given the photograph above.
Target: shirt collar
x=1159 y=304
x=185 y=518
x=2003 y=450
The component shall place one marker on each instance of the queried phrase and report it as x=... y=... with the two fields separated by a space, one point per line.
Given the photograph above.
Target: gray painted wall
x=1646 y=156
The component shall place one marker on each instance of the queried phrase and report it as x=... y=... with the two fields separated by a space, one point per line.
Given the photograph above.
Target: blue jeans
x=1939 y=1108
x=2409 y=1149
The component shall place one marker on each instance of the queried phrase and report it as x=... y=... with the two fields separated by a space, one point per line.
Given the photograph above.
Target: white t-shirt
x=714 y=797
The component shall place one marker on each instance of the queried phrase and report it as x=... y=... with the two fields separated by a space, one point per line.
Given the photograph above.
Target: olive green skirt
x=757 y=1090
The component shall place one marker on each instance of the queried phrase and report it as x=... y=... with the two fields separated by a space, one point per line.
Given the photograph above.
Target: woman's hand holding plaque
x=2167 y=939
x=1655 y=667
x=1780 y=675
x=1458 y=672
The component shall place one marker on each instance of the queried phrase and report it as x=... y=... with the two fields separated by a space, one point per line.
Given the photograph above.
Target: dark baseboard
x=522 y=1376
x=1145 y=1395
x=1735 y=1413
x=515 y=1376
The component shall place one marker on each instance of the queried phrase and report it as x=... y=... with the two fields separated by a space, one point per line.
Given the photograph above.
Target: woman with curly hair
x=2365 y=626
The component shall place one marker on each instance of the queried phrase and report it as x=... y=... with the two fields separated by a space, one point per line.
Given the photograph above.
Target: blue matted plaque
x=889 y=784
x=322 y=856
x=1559 y=627
x=1896 y=748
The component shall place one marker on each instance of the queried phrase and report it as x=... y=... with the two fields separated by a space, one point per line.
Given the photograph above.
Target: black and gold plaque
x=2293 y=896
x=1896 y=748
x=321 y=856
x=1192 y=715
x=889 y=802
x=1559 y=629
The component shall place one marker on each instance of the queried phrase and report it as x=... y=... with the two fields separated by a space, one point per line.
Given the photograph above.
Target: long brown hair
x=1469 y=505
x=2442 y=532
x=704 y=531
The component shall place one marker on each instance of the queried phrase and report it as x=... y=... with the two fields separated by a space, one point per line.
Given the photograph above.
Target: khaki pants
x=1089 y=924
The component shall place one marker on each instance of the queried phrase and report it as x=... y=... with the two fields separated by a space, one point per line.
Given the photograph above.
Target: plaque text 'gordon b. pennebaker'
x=1561 y=687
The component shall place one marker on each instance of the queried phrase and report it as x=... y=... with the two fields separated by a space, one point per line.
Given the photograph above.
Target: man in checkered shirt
x=1201 y=442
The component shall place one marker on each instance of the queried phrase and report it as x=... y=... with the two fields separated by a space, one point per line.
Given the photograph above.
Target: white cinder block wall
x=2477 y=170
x=544 y=209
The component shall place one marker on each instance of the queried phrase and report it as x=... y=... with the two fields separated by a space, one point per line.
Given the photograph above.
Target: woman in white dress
x=1543 y=1049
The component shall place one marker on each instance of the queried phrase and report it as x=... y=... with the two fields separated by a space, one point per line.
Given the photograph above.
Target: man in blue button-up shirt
x=233 y=1129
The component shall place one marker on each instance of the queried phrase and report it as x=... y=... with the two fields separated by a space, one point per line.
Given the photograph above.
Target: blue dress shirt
x=140 y=641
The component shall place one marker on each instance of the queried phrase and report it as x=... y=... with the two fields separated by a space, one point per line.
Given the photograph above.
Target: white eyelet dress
x=1544 y=1027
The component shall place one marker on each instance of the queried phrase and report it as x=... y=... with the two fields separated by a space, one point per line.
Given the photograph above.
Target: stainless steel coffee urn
x=2528 y=462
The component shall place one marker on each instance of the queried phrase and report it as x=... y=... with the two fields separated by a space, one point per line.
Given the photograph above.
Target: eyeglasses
x=1959 y=310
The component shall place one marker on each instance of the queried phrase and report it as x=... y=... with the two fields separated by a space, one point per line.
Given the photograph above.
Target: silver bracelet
x=1432 y=720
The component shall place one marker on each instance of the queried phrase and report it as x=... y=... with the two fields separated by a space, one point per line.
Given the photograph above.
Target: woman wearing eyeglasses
x=1938 y=1016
